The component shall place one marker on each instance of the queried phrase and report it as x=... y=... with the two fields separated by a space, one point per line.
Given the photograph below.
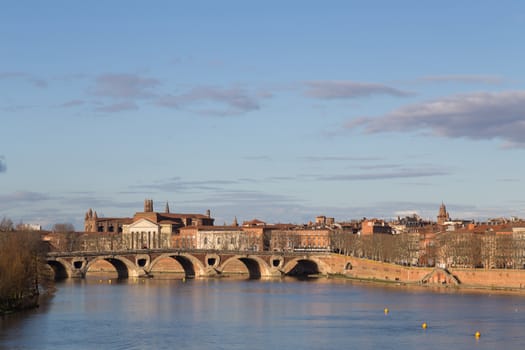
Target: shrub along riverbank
x=23 y=271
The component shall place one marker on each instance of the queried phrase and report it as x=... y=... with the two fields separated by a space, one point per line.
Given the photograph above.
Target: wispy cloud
x=345 y=89
x=177 y=184
x=124 y=86
x=466 y=79
x=478 y=116
x=30 y=78
x=338 y=158
x=72 y=103
x=257 y=158
x=236 y=100
x=3 y=166
x=118 y=107
x=16 y=108
x=395 y=173
x=97 y=202
x=23 y=197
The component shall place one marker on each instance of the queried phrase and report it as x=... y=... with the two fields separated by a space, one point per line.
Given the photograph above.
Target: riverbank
x=19 y=304
x=23 y=271
x=478 y=280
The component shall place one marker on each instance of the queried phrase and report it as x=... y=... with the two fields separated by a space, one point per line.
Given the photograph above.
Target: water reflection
x=239 y=314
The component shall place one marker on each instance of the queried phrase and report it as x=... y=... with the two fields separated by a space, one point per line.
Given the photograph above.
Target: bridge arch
x=61 y=268
x=191 y=265
x=256 y=266
x=304 y=266
x=125 y=268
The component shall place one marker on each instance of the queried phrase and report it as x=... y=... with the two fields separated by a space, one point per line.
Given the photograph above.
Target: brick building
x=146 y=229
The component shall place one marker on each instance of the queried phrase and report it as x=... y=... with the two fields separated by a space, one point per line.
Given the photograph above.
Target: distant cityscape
x=409 y=240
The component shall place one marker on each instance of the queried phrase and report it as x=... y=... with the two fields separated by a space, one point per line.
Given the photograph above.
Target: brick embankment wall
x=375 y=270
x=499 y=278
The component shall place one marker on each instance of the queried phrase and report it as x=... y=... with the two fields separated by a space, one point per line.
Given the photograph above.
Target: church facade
x=147 y=229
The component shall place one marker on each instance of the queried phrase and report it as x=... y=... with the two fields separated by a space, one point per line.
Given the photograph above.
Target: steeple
x=167 y=209
x=235 y=223
x=442 y=215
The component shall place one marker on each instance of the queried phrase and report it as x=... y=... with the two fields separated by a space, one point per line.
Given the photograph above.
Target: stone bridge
x=197 y=263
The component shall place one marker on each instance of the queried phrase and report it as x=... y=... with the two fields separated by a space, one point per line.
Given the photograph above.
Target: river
x=263 y=314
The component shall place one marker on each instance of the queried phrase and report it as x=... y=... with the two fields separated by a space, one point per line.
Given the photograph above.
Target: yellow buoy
x=477 y=334
x=386 y=310
x=424 y=325
x=183 y=279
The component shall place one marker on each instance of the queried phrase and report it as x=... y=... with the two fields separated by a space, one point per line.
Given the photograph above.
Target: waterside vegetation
x=23 y=270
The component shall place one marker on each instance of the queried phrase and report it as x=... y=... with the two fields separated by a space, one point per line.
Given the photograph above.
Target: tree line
x=23 y=270
x=447 y=249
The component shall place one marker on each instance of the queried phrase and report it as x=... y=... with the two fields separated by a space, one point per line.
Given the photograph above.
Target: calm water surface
x=247 y=314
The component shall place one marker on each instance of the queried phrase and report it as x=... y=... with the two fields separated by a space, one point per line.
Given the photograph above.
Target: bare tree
x=6 y=225
x=64 y=227
x=22 y=269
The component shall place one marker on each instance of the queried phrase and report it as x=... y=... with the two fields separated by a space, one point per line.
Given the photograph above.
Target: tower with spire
x=442 y=215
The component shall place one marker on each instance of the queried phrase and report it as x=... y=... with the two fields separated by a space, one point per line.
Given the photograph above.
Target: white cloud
x=481 y=115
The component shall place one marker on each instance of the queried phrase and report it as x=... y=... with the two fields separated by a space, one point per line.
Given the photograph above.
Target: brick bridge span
x=202 y=263
x=198 y=263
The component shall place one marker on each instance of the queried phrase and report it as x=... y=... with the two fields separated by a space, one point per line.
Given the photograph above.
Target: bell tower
x=442 y=215
x=148 y=205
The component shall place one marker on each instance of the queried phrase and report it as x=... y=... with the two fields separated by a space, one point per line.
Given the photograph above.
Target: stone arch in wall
x=440 y=276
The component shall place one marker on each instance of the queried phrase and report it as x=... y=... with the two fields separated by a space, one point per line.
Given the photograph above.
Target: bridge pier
x=210 y=272
x=77 y=273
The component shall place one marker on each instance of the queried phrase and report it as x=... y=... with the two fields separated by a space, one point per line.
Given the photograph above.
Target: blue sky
x=279 y=110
